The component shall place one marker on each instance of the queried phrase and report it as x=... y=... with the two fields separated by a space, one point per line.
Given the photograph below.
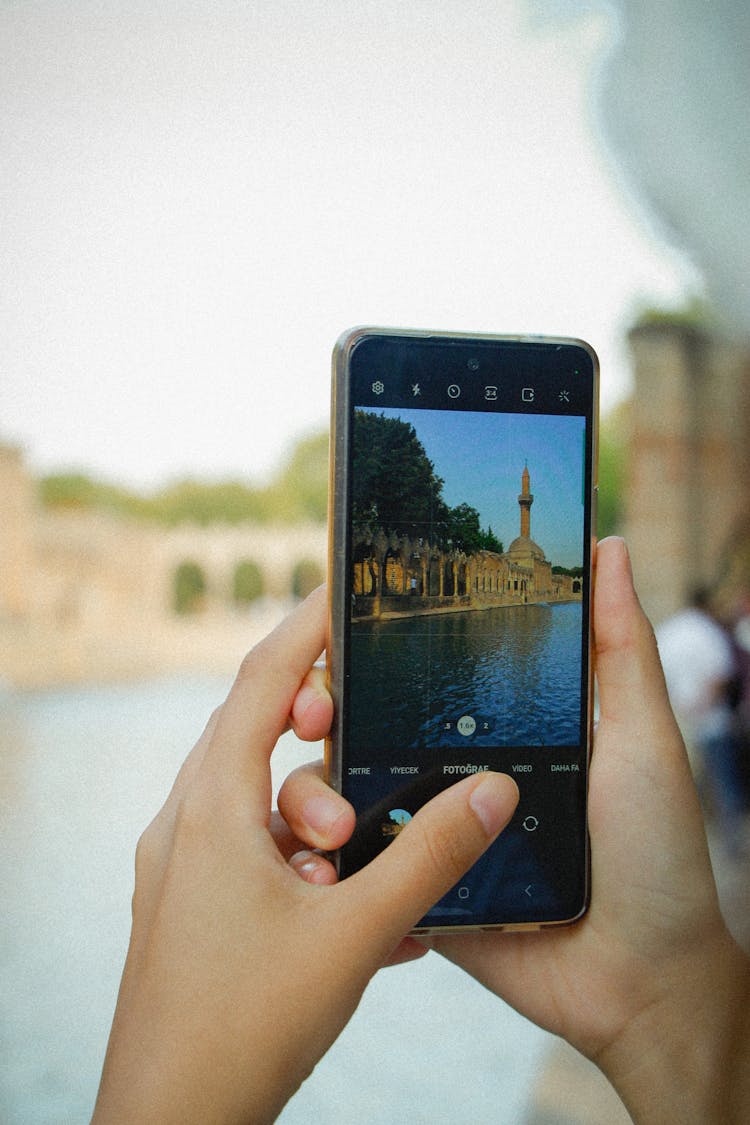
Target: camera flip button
x=530 y=823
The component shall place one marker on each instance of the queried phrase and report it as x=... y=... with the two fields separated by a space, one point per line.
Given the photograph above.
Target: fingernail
x=492 y=802
x=304 y=863
x=321 y=813
x=311 y=868
x=617 y=540
x=306 y=696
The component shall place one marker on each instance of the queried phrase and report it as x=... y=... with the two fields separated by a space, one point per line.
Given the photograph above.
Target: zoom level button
x=466 y=725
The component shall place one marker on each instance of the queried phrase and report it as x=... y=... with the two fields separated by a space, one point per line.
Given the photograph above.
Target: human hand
x=652 y=956
x=649 y=983
x=240 y=974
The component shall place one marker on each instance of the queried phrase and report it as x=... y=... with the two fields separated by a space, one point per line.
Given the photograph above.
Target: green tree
x=490 y=542
x=573 y=571
x=395 y=485
x=464 y=531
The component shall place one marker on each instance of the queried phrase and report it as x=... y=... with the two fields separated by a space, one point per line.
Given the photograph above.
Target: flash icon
x=415 y=390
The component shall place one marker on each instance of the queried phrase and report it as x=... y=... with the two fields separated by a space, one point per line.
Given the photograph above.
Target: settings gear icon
x=378 y=387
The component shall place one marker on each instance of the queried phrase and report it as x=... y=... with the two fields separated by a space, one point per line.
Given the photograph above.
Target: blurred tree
x=189 y=588
x=298 y=493
x=694 y=313
x=78 y=490
x=192 y=501
x=306 y=577
x=247 y=585
x=613 y=449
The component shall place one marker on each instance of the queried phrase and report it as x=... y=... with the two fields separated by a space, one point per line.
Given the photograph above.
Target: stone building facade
x=687 y=510
x=400 y=576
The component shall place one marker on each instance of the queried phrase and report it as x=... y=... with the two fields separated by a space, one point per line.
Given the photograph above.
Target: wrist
x=686 y=1056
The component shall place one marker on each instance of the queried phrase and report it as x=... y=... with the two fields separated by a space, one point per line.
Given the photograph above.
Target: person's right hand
x=648 y=984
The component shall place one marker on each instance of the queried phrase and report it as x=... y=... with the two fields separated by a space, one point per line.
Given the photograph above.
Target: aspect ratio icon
x=490 y=394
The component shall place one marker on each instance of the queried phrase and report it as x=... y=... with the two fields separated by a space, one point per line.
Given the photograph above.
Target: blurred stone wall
x=688 y=487
x=89 y=596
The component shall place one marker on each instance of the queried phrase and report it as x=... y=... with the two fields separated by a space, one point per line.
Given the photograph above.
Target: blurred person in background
x=741 y=641
x=702 y=673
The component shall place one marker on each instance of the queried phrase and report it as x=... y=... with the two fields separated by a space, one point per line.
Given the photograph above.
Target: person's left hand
x=240 y=974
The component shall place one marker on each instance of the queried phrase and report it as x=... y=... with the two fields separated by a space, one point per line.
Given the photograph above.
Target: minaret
x=525 y=500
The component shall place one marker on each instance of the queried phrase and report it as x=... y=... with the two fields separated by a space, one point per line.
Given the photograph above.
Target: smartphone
x=463 y=483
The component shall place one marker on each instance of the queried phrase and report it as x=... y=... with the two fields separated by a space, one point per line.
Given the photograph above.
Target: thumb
x=631 y=682
x=639 y=758
x=428 y=857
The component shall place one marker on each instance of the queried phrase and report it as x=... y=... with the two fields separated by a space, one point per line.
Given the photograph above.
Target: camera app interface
x=468 y=555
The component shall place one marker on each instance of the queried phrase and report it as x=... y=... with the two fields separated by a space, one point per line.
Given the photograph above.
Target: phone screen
x=463 y=528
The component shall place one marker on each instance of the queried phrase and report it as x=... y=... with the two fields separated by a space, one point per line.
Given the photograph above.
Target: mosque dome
x=524 y=548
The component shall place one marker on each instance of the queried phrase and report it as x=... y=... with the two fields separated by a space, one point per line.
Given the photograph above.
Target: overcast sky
x=198 y=196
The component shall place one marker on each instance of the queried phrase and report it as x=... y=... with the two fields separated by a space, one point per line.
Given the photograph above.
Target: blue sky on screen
x=481 y=456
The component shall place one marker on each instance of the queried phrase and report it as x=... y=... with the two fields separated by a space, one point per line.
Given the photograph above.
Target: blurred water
x=82 y=771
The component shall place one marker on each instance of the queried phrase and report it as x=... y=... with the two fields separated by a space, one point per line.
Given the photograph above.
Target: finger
x=408 y=949
x=629 y=674
x=256 y=711
x=287 y=843
x=427 y=858
x=317 y=814
x=313 y=868
x=155 y=843
x=312 y=709
x=639 y=757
